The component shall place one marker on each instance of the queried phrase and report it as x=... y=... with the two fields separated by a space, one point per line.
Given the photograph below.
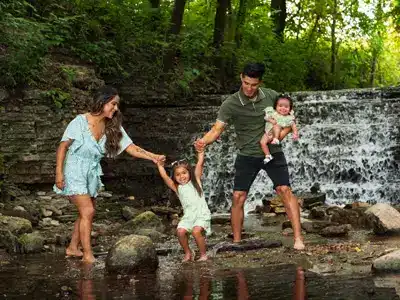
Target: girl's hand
x=295 y=136
x=60 y=181
x=200 y=145
x=272 y=121
x=159 y=159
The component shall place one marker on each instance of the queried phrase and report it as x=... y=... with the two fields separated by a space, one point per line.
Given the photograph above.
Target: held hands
x=60 y=183
x=159 y=159
x=200 y=145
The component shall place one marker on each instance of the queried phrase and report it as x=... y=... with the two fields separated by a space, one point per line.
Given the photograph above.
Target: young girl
x=186 y=183
x=86 y=140
x=278 y=117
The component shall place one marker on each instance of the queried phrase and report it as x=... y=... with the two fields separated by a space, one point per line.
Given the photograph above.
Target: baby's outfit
x=282 y=121
x=195 y=208
x=82 y=169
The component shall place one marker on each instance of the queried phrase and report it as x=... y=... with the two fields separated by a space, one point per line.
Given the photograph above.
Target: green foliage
x=58 y=97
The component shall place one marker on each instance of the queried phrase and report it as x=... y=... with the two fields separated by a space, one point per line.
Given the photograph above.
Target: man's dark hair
x=254 y=70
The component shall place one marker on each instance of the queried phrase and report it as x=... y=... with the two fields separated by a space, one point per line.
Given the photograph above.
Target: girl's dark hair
x=187 y=166
x=113 y=126
x=284 y=96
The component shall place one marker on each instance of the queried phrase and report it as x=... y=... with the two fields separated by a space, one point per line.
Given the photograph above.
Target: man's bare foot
x=202 y=258
x=69 y=252
x=298 y=244
x=187 y=257
x=88 y=259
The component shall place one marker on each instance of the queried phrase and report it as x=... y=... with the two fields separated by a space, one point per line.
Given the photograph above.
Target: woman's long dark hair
x=112 y=126
x=187 y=166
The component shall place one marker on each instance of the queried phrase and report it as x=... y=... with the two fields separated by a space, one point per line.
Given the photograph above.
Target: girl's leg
x=183 y=240
x=86 y=210
x=72 y=249
x=276 y=131
x=200 y=241
x=265 y=140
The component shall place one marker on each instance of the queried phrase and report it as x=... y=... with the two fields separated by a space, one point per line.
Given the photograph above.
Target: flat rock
x=383 y=218
x=387 y=263
x=246 y=245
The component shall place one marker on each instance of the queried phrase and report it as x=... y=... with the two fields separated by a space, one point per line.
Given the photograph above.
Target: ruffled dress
x=283 y=121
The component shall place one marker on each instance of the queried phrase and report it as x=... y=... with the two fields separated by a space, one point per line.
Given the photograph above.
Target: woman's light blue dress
x=82 y=169
x=195 y=208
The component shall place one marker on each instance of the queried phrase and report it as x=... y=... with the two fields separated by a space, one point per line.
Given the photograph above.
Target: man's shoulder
x=231 y=99
x=270 y=93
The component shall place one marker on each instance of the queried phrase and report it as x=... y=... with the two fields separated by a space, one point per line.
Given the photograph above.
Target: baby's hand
x=295 y=136
x=272 y=121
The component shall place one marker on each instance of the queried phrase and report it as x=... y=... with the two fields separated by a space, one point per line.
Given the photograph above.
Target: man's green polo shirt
x=248 y=119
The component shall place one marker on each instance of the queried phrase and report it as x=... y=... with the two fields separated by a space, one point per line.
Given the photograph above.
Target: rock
x=315 y=189
x=46 y=222
x=131 y=198
x=279 y=210
x=221 y=219
x=360 y=204
x=45 y=212
x=19 y=208
x=31 y=242
x=132 y=253
x=8 y=241
x=332 y=231
x=387 y=263
x=355 y=217
x=383 y=218
x=315 y=226
x=105 y=194
x=269 y=215
x=164 y=211
x=273 y=221
x=154 y=235
x=41 y=193
x=129 y=212
x=317 y=213
x=147 y=220
x=53 y=209
x=245 y=245
x=15 y=225
x=309 y=199
x=45 y=198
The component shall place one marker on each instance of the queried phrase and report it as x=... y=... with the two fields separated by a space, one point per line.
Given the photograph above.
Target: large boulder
x=31 y=242
x=8 y=241
x=383 y=218
x=15 y=225
x=131 y=254
x=147 y=220
x=332 y=231
x=387 y=263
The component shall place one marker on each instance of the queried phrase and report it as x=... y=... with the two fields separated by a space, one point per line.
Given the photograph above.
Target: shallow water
x=51 y=276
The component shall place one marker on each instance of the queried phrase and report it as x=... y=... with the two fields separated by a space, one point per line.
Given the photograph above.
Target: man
x=245 y=110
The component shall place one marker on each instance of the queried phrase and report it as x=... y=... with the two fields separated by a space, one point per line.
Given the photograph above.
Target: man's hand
x=200 y=145
x=271 y=120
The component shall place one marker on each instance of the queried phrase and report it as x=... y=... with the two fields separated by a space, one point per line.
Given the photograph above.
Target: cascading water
x=349 y=144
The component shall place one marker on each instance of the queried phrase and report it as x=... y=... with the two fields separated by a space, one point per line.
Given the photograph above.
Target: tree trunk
x=377 y=44
x=219 y=24
x=240 y=19
x=155 y=3
x=279 y=14
x=333 y=44
x=176 y=23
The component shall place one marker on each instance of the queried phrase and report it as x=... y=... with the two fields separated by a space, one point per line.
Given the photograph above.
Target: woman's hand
x=60 y=183
x=159 y=159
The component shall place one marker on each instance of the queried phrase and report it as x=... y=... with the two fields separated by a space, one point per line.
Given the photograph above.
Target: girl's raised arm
x=198 y=171
x=168 y=181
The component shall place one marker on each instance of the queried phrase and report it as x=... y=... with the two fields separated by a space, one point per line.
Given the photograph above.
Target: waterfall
x=349 y=144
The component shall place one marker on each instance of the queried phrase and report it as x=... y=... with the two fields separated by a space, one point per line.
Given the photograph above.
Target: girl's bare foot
x=70 y=252
x=202 y=258
x=88 y=259
x=187 y=257
x=298 y=244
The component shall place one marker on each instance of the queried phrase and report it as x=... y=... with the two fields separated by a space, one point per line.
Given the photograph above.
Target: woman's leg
x=183 y=240
x=86 y=210
x=73 y=247
x=200 y=241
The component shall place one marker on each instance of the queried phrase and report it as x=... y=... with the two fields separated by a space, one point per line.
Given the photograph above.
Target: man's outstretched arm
x=211 y=136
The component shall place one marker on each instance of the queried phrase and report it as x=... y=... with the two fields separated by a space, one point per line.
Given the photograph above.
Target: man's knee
x=239 y=197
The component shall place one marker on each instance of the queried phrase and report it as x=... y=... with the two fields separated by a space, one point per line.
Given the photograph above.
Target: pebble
x=41 y=193
x=45 y=198
x=105 y=194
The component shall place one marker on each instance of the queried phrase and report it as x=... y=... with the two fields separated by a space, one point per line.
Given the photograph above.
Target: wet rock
x=317 y=213
x=315 y=188
x=46 y=222
x=15 y=225
x=154 y=235
x=332 y=231
x=383 y=218
x=387 y=263
x=46 y=213
x=105 y=194
x=8 y=241
x=19 y=208
x=270 y=220
x=355 y=217
x=129 y=212
x=315 y=226
x=309 y=198
x=221 y=219
x=51 y=208
x=31 y=242
x=41 y=193
x=132 y=253
x=164 y=211
x=246 y=245
x=146 y=219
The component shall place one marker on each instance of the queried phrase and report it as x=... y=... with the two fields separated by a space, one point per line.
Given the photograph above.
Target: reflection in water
x=300 y=285
x=85 y=283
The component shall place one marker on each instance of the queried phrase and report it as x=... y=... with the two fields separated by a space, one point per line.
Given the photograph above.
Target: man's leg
x=278 y=171
x=246 y=170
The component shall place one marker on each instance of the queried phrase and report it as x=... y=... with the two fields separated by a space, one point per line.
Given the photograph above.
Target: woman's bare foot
x=70 y=252
x=187 y=257
x=88 y=259
x=202 y=258
x=298 y=244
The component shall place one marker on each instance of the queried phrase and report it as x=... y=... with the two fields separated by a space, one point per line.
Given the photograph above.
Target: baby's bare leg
x=265 y=140
x=276 y=131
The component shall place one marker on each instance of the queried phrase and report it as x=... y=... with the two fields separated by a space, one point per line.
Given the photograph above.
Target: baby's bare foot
x=203 y=258
x=73 y=252
x=298 y=244
x=88 y=259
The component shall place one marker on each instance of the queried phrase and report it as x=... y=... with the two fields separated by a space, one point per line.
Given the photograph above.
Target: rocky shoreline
x=357 y=238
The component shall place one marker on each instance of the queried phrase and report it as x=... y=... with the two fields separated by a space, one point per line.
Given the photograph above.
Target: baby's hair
x=284 y=96
x=185 y=164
